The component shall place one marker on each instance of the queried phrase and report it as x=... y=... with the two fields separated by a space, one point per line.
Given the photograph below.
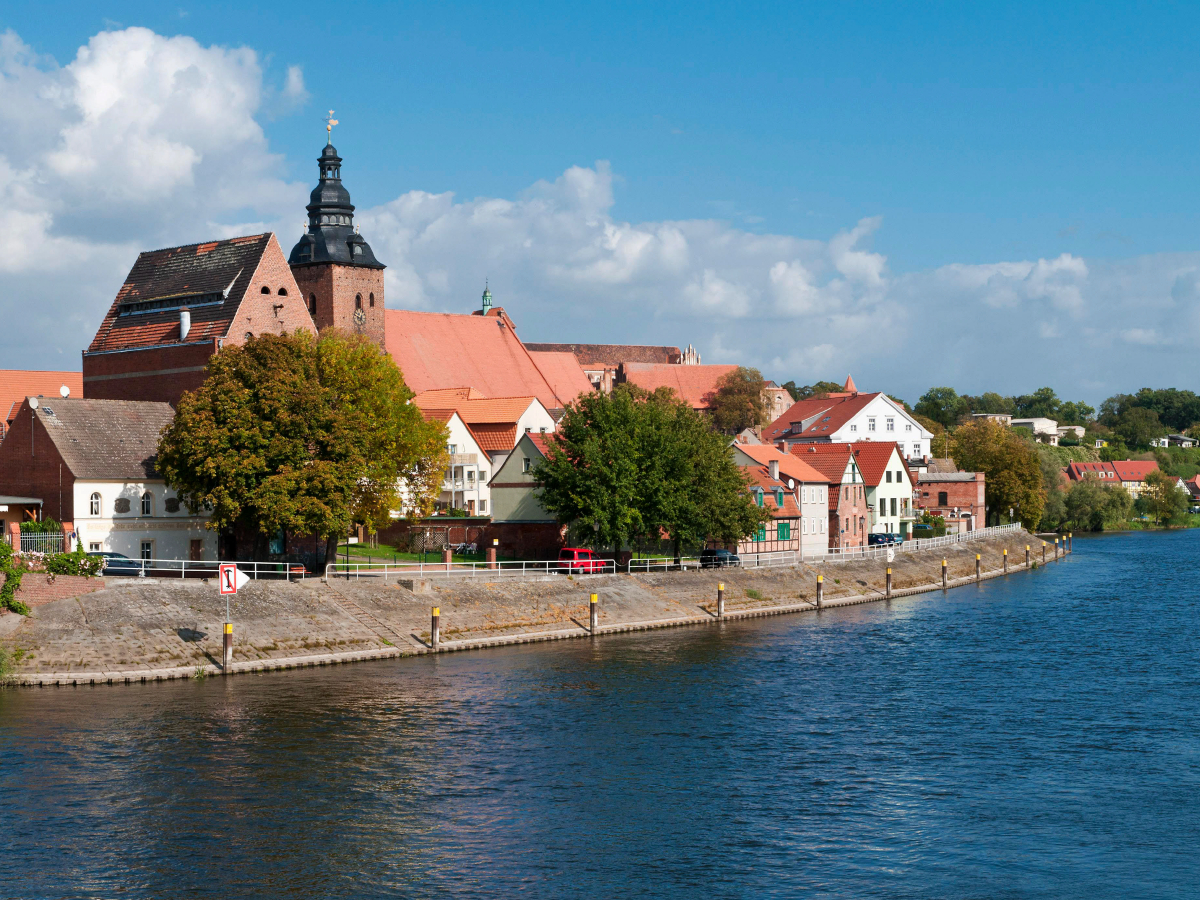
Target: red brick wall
x=36 y=471
x=968 y=496
x=273 y=312
x=37 y=589
x=335 y=288
x=853 y=508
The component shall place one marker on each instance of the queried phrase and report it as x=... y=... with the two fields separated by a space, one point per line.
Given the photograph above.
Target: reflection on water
x=1029 y=737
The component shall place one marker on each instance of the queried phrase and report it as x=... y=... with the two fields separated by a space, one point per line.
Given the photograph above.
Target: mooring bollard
x=1027 y=556
x=820 y=590
x=227 y=648
x=1056 y=549
x=435 y=628
x=721 y=598
x=1005 y=560
x=1070 y=542
x=945 y=581
x=889 y=582
x=593 y=614
x=1043 y=553
x=447 y=557
x=978 y=567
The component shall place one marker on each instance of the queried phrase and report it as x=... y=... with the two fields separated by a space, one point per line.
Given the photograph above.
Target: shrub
x=12 y=580
x=46 y=526
x=76 y=563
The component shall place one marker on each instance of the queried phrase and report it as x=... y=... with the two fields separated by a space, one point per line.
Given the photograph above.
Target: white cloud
x=146 y=141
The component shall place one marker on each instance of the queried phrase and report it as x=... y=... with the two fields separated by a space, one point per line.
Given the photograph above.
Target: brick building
x=180 y=305
x=600 y=362
x=849 y=514
x=958 y=497
x=341 y=280
x=16 y=385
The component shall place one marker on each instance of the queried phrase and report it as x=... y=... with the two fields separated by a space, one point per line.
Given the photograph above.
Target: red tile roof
x=211 y=279
x=1134 y=469
x=447 y=397
x=17 y=384
x=563 y=373
x=492 y=422
x=692 y=383
x=611 y=355
x=444 y=350
x=1077 y=471
x=761 y=476
x=819 y=416
x=444 y=416
x=789 y=464
x=874 y=457
x=830 y=460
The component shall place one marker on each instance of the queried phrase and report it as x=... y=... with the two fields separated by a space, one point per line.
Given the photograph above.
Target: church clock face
x=360 y=317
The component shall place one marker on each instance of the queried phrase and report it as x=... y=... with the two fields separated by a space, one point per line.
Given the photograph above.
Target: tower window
x=283 y=292
x=358 y=301
x=312 y=303
x=371 y=300
x=265 y=289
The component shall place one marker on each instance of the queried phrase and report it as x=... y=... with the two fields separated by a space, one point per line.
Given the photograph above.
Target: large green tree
x=1138 y=426
x=806 y=391
x=304 y=435
x=1162 y=498
x=738 y=402
x=1092 y=506
x=634 y=465
x=1014 y=474
x=943 y=405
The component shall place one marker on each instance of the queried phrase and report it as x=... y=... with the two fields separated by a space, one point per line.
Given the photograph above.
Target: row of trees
x=947 y=407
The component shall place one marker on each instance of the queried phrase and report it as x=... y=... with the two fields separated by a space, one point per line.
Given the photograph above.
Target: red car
x=580 y=561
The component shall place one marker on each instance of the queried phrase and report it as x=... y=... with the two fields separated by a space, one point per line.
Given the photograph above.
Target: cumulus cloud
x=145 y=141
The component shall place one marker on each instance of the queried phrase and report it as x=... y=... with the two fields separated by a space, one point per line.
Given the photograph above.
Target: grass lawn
x=384 y=554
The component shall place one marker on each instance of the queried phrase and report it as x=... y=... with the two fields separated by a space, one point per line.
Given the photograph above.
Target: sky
x=988 y=196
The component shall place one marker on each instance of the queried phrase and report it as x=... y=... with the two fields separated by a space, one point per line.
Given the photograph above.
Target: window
x=847 y=493
x=893 y=506
x=779 y=498
x=824 y=526
x=482 y=507
x=882 y=507
x=804 y=526
x=854 y=427
x=358 y=301
x=784 y=531
x=759 y=498
x=249 y=335
x=528 y=430
x=147 y=504
x=762 y=532
x=453 y=448
x=312 y=303
x=891 y=424
x=916 y=449
x=94 y=547
x=888 y=476
x=265 y=289
x=282 y=292
x=542 y=430
x=483 y=476
x=908 y=427
x=471 y=477
x=943 y=498
x=846 y=527
x=95 y=505
x=871 y=424
x=147 y=550
x=525 y=464
x=371 y=300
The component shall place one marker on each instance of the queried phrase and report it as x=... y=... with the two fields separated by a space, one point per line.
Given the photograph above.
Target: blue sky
x=966 y=135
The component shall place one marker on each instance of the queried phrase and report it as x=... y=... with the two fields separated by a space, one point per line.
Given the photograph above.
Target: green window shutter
x=762 y=533
x=785 y=531
x=779 y=499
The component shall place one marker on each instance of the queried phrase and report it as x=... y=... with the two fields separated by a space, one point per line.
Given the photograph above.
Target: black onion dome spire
x=330 y=236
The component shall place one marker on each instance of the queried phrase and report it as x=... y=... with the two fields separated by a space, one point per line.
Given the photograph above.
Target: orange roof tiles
x=17 y=384
x=820 y=416
x=830 y=460
x=492 y=422
x=563 y=373
x=1134 y=469
x=692 y=383
x=789 y=464
x=446 y=396
x=873 y=459
x=444 y=350
x=1077 y=471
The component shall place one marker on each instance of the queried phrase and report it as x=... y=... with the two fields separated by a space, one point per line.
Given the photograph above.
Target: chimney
x=185 y=323
x=773 y=468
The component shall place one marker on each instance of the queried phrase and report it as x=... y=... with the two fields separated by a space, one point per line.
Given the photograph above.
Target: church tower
x=338 y=275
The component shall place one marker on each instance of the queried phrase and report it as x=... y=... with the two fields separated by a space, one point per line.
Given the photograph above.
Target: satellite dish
x=33 y=404
x=791 y=484
x=64 y=392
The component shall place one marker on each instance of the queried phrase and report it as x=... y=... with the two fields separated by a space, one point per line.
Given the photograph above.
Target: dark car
x=883 y=537
x=119 y=564
x=719 y=558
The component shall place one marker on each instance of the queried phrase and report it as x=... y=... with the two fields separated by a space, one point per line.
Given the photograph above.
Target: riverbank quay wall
x=136 y=630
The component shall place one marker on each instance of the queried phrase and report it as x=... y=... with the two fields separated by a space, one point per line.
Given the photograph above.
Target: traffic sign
x=232 y=578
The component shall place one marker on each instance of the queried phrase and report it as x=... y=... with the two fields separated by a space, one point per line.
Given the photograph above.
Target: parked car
x=119 y=564
x=718 y=558
x=882 y=537
x=580 y=561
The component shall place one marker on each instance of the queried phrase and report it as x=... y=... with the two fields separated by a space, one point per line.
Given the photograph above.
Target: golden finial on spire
x=330 y=121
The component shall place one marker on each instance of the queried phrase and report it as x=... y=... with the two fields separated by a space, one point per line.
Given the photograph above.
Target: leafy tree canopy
x=1138 y=426
x=738 y=402
x=302 y=434
x=804 y=392
x=634 y=465
x=942 y=405
x=1162 y=498
x=1177 y=410
x=1014 y=475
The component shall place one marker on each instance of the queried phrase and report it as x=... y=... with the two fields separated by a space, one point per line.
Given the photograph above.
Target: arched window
x=95 y=504
x=358 y=301
x=265 y=289
x=147 y=504
x=312 y=303
x=371 y=300
x=283 y=292
x=249 y=335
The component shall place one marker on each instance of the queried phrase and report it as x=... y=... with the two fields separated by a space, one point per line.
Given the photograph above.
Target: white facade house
x=845 y=418
x=889 y=488
x=141 y=519
x=1045 y=431
x=465 y=486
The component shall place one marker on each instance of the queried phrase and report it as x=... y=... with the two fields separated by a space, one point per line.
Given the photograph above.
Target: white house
x=496 y=422
x=847 y=417
x=1045 y=431
x=466 y=483
x=889 y=488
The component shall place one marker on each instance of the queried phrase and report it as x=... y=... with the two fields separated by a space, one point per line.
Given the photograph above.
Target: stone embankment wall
x=143 y=629
x=37 y=588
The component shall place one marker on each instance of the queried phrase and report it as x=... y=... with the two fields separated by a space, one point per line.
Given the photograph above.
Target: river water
x=1035 y=736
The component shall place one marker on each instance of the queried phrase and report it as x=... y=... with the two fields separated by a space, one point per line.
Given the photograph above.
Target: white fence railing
x=187 y=568
x=505 y=569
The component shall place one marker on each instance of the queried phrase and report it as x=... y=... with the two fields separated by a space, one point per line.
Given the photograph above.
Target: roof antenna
x=330 y=121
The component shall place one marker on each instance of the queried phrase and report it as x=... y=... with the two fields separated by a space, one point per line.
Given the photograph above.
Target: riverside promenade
x=138 y=630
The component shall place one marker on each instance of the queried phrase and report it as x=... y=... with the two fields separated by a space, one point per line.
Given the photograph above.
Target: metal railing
x=41 y=542
x=486 y=570
x=188 y=568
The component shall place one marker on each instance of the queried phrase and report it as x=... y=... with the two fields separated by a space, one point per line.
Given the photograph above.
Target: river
x=1034 y=736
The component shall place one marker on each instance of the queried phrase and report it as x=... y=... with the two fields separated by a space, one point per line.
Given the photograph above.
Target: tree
x=738 y=402
x=943 y=405
x=1075 y=413
x=635 y=465
x=1014 y=475
x=1162 y=498
x=819 y=389
x=1139 y=426
x=1092 y=506
x=1041 y=404
x=303 y=435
